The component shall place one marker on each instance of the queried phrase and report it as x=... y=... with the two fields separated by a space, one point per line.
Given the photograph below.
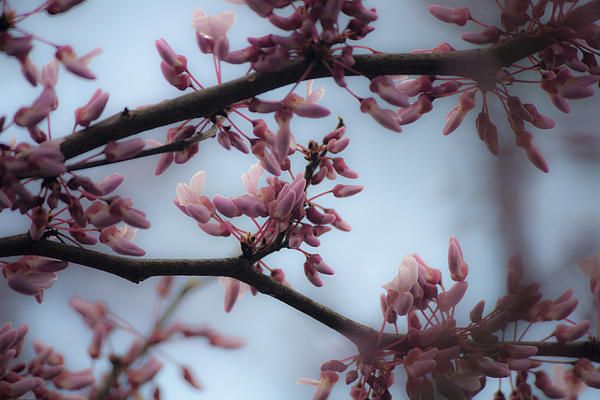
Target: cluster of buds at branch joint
x=438 y=355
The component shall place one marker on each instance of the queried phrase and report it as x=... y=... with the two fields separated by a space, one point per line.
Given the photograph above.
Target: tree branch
x=241 y=268
x=207 y=102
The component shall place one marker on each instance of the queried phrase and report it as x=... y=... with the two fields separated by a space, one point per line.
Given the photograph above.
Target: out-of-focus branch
x=208 y=102
x=241 y=268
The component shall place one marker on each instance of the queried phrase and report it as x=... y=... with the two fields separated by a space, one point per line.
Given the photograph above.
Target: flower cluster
x=566 y=68
x=437 y=354
x=284 y=214
x=47 y=377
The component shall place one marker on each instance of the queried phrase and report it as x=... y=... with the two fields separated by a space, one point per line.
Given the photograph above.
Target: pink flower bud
x=77 y=65
x=337 y=145
x=181 y=81
x=386 y=89
x=346 y=190
x=39 y=220
x=489 y=35
x=145 y=373
x=458 y=16
x=178 y=63
x=456 y=264
x=451 y=297
x=386 y=118
x=189 y=378
x=92 y=110
x=110 y=183
x=342 y=168
x=123 y=150
x=477 y=312
x=226 y=206
x=569 y=333
x=74 y=380
x=61 y=6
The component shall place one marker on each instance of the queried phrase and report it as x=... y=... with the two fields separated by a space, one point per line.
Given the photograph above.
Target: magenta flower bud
x=264 y=106
x=335 y=134
x=293 y=22
x=261 y=7
x=98 y=215
x=333 y=365
x=110 y=183
x=61 y=6
x=178 y=63
x=284 y=205
x=311 y=274
x=317 y=261
x=489 y=35
x=74 y=380
x=39 y=220
x=385 y=88
x=458 y=16
x=164 y=161
x=494 y=369
x=92 y=110
x=309 y=237
x=451 y=297
x=181 y=81
x=77 y=65
x=115 y=151
x=41 y=107
x=519 y=351
x=386 y=118
x=569 y=333
x=543 y=382
x=81 y=236
x=226 y=206
x=145 y=373
x=199 y=212
x=318 y=218
x=337 y=146
x=456 y=264
x=342 y=168
x=215 y=229
x=346 y=190
x=20 y=387
x=339 y=223
x=477 y=312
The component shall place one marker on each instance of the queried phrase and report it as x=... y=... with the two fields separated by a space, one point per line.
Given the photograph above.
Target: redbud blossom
x=77 y=65
x=92 y=110
x=323 y=385
x=386 y=118
x=340 y=190
x=234 y=289
x=61 y=6
x=145 y=373
x=456 y=264
x=177 y=62
x=115 y=151
x=212 y=31
x=120 y=240
x=458 y=16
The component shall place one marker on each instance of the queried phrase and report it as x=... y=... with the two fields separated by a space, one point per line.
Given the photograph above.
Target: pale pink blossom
x=92 y=110
x=191 y=201
x=458 y=16
x=61 y=6
x=324 y=385
x=77 y=65
x=212 y=31
x=234 y=289
x=119 y=238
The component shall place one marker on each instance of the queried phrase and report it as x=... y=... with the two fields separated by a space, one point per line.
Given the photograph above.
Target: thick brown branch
x=241 y=268
x=205 y=103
